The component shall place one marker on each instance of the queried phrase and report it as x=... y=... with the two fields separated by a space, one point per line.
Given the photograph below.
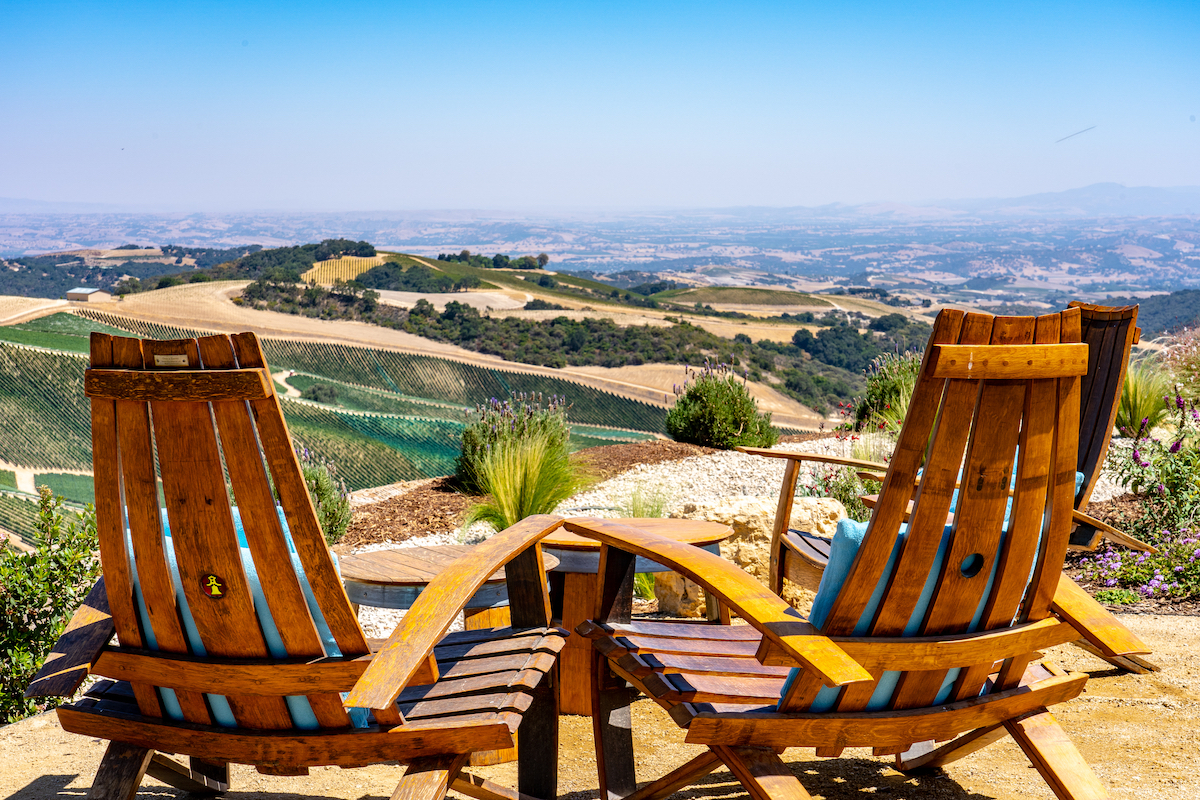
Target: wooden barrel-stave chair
x=925 y=644
x=1109 y=332
x=239 y=650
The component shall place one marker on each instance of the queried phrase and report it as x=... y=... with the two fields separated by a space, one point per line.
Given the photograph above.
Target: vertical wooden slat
x=264 y=535
x=1062 y=502
x=897 y=488
x=298 y=508
x=979 y=515
x=110 y=525
x=928 y=520
x=145 y=525
x=1093 y=445
x=783 y=518
x=204 y=539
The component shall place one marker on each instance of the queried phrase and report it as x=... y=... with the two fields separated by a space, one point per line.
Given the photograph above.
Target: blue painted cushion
x=843 y=549
x=298 y=706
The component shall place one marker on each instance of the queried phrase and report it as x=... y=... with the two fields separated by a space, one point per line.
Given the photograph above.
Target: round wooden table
x=573 y=593
x=394 y=578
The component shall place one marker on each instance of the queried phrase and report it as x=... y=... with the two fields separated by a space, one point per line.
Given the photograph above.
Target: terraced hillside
x=397 y=417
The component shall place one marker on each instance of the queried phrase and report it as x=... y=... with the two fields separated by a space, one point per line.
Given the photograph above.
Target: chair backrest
x=994 y=392
x=201 y=415
x=1109 y=332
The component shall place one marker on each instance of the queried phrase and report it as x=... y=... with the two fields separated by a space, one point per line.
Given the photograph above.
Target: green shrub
x=714 y=409
x=321 y=393
x=499 y=421
x=842 y=485
x=891 y=379
x=524 y=476
x=1117 y=597
x=1142 y=397
x=39 y=591
x=328 y=493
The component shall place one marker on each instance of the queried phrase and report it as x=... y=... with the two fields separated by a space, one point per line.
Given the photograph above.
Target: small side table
x=573 y=592
x=395 y=578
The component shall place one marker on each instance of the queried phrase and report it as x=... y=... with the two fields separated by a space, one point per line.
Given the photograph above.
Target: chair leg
x=429 y=778
x=1055 y=757
x=199 y=777
x=762 y=774
x=928 y=755
x=1134 y=664
x=679 y=778
x=612 y=728
x=537 y=745
x=120 y=772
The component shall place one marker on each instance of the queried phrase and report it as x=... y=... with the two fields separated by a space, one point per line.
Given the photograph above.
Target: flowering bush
x=1165 y=473
x=516 y=419
x=1182 y=357
x=39 y=591
x=714 y=409
x=1172 y=572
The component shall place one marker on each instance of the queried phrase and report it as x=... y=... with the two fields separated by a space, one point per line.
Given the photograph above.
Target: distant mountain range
x=1097 y=200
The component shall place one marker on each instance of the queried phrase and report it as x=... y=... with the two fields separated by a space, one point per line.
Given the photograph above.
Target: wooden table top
x=411 y=566
x=688 y=531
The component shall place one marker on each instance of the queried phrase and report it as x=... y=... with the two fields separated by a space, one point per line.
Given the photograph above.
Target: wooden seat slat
x=469 y=704
x=704 y=688
x=688 y=630
x=703 y=647
x=714 y=665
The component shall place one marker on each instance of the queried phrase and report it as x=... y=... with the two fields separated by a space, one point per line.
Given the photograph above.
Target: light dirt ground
x=480 y=300
x=18 y=309
x=1141 y=734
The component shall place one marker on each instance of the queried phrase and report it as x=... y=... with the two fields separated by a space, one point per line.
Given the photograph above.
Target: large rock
x=749 y=546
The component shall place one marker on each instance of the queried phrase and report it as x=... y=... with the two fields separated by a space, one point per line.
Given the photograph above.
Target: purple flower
x=1175 y=446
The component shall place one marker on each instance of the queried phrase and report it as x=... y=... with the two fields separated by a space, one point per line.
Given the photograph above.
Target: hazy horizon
x=527 y=107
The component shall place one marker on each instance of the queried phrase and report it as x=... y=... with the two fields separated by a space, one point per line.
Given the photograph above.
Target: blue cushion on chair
x=298 y=706
x=843 y=549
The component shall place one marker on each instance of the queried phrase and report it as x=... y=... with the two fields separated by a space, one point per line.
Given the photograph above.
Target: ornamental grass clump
x=497 y=421
x=714 y=408
x=39 y=591
x=523 y=476
x=1142 y=397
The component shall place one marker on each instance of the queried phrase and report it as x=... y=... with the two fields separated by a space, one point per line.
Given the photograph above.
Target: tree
x=543 y=260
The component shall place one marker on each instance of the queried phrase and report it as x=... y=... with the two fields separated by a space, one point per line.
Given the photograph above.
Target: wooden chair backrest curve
x=1109 y=332
x=191 y=412
x=980 y=408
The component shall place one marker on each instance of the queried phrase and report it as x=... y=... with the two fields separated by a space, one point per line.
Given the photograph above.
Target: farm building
x=81 y=294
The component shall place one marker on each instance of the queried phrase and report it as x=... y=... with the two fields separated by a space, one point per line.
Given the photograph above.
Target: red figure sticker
x=213 y=586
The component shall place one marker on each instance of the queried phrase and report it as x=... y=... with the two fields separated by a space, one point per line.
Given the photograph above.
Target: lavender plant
x=519 y=418
x=714 y=408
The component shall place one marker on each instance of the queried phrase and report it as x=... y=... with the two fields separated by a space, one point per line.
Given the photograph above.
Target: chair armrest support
x=840 y=461
x=1111 y=533
x=779 y=623
x=410 y=647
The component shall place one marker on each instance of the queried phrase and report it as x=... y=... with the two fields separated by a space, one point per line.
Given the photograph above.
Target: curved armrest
x=824 y=459
x=410 y=646
x=779 y=623
x=1118 y=536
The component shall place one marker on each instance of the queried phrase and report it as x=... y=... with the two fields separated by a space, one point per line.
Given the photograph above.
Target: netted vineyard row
x=45 y=420
x=361 y=398
x=454 y=382
x=19 y=515
x=145 y=330
x=346 y=268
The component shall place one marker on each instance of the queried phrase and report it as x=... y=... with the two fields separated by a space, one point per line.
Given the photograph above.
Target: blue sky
x=542 y=106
